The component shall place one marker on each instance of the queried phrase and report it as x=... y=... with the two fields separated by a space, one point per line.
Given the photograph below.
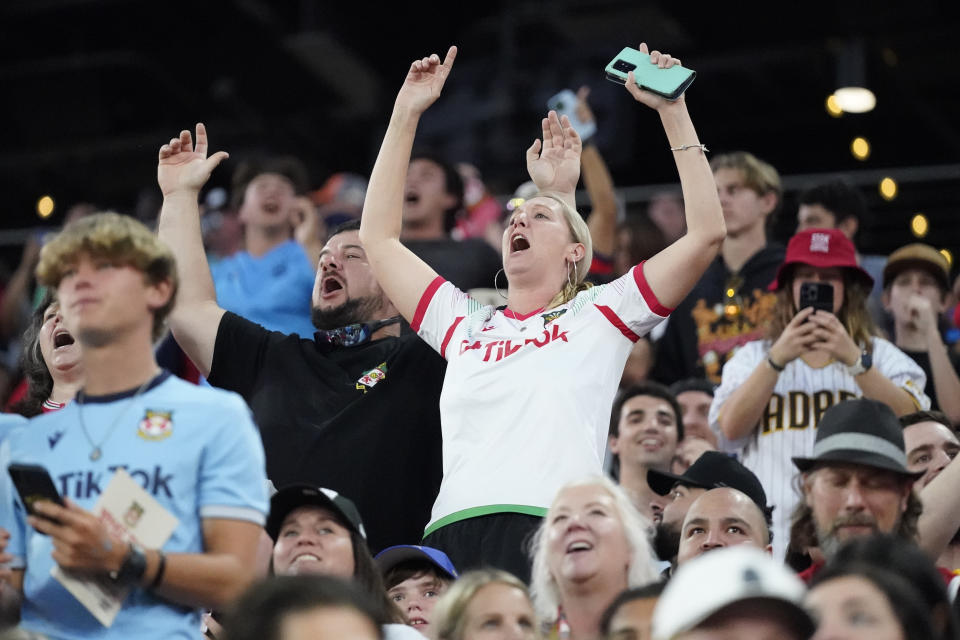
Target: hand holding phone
x=34 y=484
x=669 y=83
x=565 y=104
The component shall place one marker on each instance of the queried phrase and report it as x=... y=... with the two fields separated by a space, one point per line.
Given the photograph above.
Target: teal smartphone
x=669 y=83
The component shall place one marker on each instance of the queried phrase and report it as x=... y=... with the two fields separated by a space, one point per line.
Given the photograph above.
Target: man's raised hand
x=183 y=168
x=424 y=82
x=554 y=164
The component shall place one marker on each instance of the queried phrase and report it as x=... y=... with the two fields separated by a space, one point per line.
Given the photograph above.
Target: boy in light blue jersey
x=270 y=281
x=195 y=450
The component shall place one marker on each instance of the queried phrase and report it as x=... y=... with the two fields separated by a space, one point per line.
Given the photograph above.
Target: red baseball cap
x=821 y=248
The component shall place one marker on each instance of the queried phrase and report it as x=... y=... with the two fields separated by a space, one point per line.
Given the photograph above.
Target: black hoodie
x=701 y=335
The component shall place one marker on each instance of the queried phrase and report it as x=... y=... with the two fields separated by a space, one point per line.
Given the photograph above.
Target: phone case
x=818 y=295
x=565 y=104
x=33 y=483
x=669 y=83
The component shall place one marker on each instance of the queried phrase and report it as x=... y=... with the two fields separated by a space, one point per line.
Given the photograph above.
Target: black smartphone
x=818 y=295
x=33 y=483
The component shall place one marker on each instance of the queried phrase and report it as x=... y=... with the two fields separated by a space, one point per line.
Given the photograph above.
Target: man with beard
x=711 y=471
x=356 y=408
x=857 y=483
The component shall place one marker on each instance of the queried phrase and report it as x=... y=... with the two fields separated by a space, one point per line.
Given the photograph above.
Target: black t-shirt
x=702 y=333
x=468 y=264
x=922 y=358
x=363 y=420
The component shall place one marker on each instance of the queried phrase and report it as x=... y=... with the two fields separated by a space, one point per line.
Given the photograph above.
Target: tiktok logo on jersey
x=87 y=484
x=497 y=350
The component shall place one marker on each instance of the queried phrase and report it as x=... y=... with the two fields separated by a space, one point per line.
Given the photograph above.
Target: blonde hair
x=449 y=614
x=642 y=570
x=758 y=175
x=853 y=315
x=579 y=232
x=119 y=238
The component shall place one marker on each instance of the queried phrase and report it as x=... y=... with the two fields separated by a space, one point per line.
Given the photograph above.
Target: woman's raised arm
x=401 y=274
x=673 y=272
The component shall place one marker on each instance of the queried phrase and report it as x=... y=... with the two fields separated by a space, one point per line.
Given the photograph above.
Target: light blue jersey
x=196 y=450
x=8 y=421
x=273 y=290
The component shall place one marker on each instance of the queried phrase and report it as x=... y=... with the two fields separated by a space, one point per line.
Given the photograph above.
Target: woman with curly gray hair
x=592 y=545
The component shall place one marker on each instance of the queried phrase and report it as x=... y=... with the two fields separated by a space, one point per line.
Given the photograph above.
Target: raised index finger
x=450 y=57
x=201 y=139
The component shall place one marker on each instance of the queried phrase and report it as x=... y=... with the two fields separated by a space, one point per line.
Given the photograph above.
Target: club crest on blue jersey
x=156 y=425
x=550 y=317
x=133 y=514
x=370 y=378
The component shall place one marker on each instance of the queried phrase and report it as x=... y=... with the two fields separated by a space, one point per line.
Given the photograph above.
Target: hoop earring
x=495 y=286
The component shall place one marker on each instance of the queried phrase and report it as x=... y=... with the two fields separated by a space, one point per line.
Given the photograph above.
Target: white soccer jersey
x=788 y=427
x=526 y=400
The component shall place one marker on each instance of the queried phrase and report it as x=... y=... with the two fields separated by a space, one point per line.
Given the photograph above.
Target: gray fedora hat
x=859 y=431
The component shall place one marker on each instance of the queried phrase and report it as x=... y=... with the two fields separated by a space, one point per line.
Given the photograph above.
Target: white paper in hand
x=128 y=511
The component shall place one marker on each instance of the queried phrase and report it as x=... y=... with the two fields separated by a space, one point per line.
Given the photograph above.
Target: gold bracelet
x=684 y=147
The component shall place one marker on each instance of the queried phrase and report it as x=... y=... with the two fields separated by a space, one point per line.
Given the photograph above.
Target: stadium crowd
x=418 y=413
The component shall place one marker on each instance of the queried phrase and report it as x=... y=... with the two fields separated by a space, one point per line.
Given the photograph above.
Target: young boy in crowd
x=415 y=577
x=194 y=450
x=916 y=283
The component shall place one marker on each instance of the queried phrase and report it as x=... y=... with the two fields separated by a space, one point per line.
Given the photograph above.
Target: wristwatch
x=862 y=365
x=132 y=568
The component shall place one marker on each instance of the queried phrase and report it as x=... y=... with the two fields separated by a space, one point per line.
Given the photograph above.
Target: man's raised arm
x=182 y=171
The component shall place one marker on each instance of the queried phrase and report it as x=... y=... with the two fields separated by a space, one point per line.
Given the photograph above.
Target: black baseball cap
x=297 y=495
x=712 y=470
x=860 y=431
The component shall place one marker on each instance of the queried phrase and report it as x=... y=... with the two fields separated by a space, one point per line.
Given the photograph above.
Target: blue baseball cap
x=392 y=556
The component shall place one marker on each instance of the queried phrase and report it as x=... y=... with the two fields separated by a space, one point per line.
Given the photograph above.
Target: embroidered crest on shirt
x=550 y=317
x=133 y=514
x=156 y=425
x=820 y=243
x=370 y=378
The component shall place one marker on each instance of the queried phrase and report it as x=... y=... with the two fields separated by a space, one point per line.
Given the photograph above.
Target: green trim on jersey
x=476 y=512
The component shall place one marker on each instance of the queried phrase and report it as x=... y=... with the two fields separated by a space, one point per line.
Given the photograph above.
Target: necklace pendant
x=95 y=454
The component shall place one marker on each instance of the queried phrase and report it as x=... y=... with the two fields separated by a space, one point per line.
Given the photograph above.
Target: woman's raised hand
x=183 y=168
x=652 y=100
x=424 y=82
x=554 y=164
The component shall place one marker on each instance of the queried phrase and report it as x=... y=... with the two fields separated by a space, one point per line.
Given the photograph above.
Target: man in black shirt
x=916 y=282
x=355 y=409
x=433 y=195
